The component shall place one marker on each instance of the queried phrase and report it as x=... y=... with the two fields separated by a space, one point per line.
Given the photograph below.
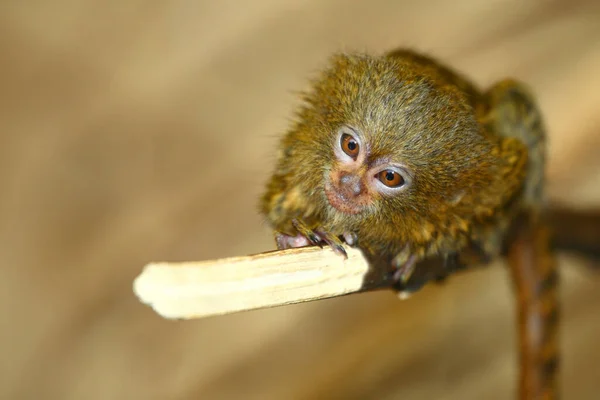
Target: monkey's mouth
x=344 y=203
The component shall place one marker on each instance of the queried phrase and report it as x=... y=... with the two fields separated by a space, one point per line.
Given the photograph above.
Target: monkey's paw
x=404 y=263
x=409 y=279
x=317 y=237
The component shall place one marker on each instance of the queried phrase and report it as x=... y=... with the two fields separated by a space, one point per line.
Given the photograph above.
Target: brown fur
x=469 y=166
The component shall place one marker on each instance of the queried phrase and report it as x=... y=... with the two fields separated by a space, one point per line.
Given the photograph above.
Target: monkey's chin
x=341 y=203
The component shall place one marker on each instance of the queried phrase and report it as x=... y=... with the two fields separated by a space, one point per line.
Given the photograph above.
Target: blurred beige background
x=134 y=131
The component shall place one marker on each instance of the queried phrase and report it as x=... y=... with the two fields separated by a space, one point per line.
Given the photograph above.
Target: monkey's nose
x=351 y=184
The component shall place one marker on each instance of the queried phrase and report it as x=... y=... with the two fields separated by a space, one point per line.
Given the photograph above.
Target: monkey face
x=389 y=152
x=381 y=148
x=357 y=177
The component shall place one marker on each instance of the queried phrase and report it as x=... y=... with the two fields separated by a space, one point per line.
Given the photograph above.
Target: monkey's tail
x=536 y=280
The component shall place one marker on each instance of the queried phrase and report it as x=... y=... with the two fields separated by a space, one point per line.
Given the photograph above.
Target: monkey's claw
x=308 y=233
x=405 y=266
x=334 y=242
x=307 y=236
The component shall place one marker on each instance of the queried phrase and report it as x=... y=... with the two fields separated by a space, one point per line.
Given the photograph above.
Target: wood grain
x=197 y=289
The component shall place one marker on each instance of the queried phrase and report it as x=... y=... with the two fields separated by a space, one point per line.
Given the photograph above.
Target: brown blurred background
x=134 y=131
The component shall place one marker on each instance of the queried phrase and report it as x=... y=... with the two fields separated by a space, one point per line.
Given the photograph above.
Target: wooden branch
x=199 y=289
x=576 y=230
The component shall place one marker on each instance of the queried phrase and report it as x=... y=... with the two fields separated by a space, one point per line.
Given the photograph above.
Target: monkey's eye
x=391 y=178
x=349 y=145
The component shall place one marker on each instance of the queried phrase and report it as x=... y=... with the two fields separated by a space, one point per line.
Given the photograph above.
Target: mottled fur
x=468 y=167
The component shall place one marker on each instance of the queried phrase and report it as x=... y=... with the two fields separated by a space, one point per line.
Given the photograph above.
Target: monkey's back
x=442 y=73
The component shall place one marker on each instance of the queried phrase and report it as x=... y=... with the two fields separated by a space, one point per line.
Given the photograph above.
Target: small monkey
x=407 y=160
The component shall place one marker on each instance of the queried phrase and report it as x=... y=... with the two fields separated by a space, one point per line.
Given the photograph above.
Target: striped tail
x=536 y=280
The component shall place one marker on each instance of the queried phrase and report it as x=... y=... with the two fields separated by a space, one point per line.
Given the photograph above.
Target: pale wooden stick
x=199 y=289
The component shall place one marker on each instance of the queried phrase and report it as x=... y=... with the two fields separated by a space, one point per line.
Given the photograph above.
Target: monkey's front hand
x=404 y=264
x=411 y=273
x=307 y=236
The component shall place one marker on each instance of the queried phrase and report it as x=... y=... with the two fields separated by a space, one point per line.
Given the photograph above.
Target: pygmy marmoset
x=407 y=160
